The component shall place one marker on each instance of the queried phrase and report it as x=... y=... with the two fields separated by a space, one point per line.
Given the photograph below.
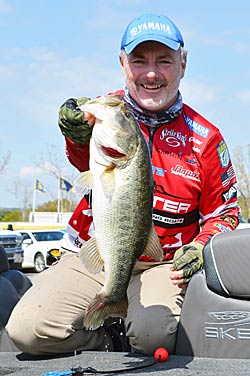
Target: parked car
x=11 y=241
x=36 y=244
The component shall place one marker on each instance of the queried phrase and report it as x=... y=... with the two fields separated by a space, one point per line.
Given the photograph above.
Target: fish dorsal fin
x=83 y=184
x=153 y=246
x=90 y=256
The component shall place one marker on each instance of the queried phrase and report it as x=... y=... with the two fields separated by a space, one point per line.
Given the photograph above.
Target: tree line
x=18 y=215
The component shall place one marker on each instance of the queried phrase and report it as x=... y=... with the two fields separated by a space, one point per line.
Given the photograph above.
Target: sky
x=54 y=50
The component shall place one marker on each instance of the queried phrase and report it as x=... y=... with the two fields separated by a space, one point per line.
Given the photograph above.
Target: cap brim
x=166 y=41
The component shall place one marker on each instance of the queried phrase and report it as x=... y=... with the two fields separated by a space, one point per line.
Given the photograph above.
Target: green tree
x=51 y=206
x=2 y=214
x=13 y=216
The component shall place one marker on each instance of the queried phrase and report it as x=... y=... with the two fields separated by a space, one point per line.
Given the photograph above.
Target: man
x=194 y=180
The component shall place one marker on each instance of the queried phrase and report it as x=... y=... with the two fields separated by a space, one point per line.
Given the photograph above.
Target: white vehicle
x=36 y=244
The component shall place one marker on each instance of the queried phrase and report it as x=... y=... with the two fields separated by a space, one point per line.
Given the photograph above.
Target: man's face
x=152 y=75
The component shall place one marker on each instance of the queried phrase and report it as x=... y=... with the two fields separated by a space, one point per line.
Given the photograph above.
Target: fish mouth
x=113 y=153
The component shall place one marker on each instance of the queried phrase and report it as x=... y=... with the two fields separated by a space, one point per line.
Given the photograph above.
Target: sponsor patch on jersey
x=172 y=138
x=158 y=171
x=173 y=241
x=196 y=149
x=223 y=154
x=196 y=127
x=192 y=161
x=222 y=228
x=170 y=153
x=227 y=176
x=185 y=173
x=168 y=220
x=230 y=194
x=170 y=206
x=195 y=140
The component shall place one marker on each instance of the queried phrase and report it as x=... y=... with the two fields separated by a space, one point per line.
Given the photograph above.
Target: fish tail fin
x=99 y=310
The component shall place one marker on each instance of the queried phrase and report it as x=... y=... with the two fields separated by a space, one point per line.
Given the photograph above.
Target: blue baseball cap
x=151 y=27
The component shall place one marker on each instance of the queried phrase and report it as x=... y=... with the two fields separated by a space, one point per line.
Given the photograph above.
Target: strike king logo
x=173 y=138
x=228 y=325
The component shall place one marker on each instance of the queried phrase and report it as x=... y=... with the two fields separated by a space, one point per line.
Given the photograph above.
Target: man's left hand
x=187 y=260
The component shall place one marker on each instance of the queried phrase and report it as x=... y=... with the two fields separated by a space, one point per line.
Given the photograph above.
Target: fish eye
x=128 y=114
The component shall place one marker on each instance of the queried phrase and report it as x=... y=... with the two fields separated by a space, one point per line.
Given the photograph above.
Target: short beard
x=150 y=104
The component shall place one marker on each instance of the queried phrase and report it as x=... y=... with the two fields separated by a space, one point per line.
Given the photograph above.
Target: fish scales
x=122 y=191
x=128 y=219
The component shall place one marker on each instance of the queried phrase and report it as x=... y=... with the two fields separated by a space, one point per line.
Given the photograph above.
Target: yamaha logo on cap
x=150 y=27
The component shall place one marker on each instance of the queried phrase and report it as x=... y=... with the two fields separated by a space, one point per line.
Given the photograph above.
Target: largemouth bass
x=121 y=180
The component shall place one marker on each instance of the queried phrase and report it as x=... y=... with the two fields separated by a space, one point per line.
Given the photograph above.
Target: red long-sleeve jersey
x=195 y=185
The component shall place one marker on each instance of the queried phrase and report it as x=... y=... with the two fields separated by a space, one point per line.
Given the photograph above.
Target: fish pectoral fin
x=90 y=257
x=153 y=246
x=108 y=181
x=83 y=184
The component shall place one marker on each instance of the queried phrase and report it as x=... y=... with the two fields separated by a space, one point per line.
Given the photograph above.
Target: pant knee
x=29 y=333
x=24 y=338
x=146 y=334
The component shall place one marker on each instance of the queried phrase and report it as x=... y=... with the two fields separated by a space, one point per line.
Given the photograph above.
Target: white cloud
x=37 y=81
x=29 y=171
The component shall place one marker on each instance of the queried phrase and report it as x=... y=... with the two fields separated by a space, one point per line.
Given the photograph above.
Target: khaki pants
x=49 y=317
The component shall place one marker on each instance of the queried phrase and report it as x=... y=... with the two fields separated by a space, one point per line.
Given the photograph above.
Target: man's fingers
x=176 y=274
x=176 y=277
x=90 y=118
x=184 y=260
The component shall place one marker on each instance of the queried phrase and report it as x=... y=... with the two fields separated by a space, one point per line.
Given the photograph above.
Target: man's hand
x=74 y=123
x=187 y=260
x=89 y=118
x=70 y=114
